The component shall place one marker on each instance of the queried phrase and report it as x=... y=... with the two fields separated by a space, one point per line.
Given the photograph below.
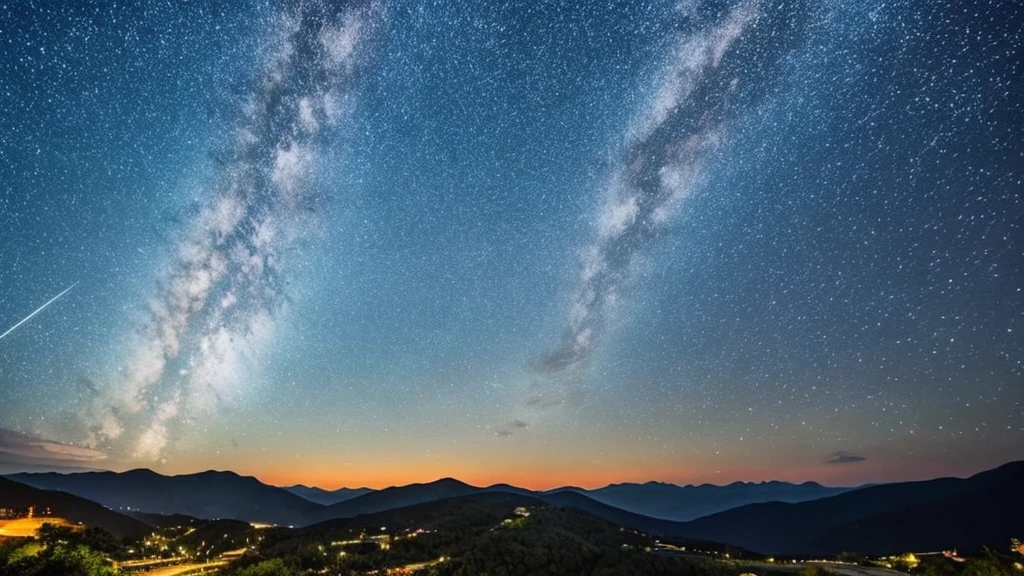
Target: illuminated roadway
x=178 y=569
x=185 y=568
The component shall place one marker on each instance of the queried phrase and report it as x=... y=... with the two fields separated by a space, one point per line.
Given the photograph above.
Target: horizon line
x=443 y=478
x=435 y=480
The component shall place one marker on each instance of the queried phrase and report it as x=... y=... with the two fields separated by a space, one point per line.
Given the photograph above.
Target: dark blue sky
x=536 y=242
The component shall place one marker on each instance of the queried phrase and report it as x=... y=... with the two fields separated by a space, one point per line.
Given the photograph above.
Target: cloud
x=511 y=427
x=843 y=457
x=544 y=401
x=24 y=452
x=219 y=297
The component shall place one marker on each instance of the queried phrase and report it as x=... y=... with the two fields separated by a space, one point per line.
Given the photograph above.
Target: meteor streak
x=38 y=310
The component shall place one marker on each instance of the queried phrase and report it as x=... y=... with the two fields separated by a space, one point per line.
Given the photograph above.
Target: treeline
x=59 y=551
x=558 y=541
x=62 y=550
x=989 y=563
x=473 y=538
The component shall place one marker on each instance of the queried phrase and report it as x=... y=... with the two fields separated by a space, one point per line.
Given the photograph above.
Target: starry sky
x=534 y=242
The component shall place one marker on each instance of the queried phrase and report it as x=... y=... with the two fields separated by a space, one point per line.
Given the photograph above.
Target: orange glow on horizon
x=545 y=478
x=526 y=471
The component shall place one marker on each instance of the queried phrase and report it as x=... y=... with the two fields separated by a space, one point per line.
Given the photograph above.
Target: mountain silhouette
x=70 y=507
x=326 y=497
x=682 y=503
x=966 y=514
x=396 y=497
x=983 y=510
x=208 y=494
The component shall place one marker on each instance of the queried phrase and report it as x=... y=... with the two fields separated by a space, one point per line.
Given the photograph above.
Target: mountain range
x=203 y=495
x=70 y=507
x=487 y=533
x=326 y=497
x=985 y=509
x=215 y=494
x=682 y=503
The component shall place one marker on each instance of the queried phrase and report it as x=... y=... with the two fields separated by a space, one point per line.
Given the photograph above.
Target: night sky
x=533 y=242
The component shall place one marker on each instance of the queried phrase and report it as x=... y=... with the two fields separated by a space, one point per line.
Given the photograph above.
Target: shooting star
x=38 y=310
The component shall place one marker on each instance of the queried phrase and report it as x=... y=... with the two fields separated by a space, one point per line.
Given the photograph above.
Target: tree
x=100 y=540
x=13 y=550
x=61 y=560
x=274 y=567
x=989 y=564
x=75 y=560
x=50 y=534
x=851 y=558
x=813 y=570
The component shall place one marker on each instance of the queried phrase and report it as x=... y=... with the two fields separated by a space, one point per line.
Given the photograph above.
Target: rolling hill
x=203 y=495
x=481 y=533
x=326 y=497
x=395 y=497
x=985 y=509
x=228 y=495
x=71 y=507
x=682 y=503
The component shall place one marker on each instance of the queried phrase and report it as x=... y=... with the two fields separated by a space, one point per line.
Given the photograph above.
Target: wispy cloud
x=542 y=400
x=25 y=452
x=510 y=428
x=216 y=304
x=843 y=457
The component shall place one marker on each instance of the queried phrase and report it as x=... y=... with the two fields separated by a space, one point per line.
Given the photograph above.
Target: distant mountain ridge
x=682 y=503
x=396 y=497
x=326 y=497
x=213 y=494
x=986 y=509
x=660 y=500
x=983 y=510
x=209 y=494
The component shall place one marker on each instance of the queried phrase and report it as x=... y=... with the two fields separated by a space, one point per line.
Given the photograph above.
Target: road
x=853 y=570
x=833 y=567
x=182 y=569
x=162 y=567
x=416 y=566
x=840 y=568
